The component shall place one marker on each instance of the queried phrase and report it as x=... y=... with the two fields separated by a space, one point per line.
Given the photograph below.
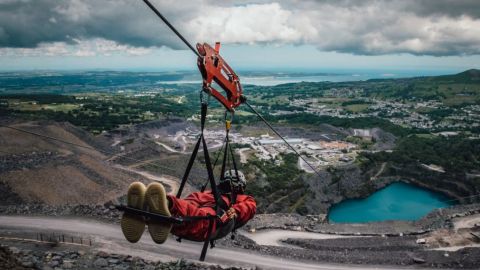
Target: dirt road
x=168 y=148
x=171 y=181
x=304 y=166
x=109 y=238
x=243 y=156
x=274 y=237
x=466 y=222
x=382 y=168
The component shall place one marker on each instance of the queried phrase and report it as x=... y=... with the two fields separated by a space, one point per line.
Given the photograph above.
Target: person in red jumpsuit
x=153 y=198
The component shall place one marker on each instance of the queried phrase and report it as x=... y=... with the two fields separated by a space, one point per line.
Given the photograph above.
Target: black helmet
x=231 y=180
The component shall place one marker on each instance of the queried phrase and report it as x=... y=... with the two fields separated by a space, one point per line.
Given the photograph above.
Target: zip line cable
x=167 y=168
x=82 y=146
x=281 y=137
x=88 y=147
x=50 y=138
x=195 y=52
x=156 y=165
x=155 y=10
x=171 y=26
x=248 y=104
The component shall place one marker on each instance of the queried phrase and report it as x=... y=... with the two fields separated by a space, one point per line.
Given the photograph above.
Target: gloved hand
x=231 y=213
x=226 y=216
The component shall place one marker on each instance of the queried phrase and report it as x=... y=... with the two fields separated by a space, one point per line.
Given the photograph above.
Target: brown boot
x=156 y=199
x=133 y=225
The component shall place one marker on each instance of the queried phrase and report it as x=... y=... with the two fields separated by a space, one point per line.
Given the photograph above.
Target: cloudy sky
x=261 y=34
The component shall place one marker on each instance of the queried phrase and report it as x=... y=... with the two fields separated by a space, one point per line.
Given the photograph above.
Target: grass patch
x=356 y=108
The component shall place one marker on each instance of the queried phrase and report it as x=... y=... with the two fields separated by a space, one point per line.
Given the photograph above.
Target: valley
x=360 y=136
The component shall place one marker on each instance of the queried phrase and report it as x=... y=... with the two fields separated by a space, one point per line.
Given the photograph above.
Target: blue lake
x=398 y=201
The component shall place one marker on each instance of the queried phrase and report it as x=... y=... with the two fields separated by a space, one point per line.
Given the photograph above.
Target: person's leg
x=156 y=199
x=159 y=203
x=134 y=225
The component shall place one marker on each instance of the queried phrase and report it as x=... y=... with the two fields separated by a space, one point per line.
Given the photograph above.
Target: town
x=266 y=147
x=420 y=115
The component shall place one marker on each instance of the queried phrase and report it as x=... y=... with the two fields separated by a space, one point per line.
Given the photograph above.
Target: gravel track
x=109 y=237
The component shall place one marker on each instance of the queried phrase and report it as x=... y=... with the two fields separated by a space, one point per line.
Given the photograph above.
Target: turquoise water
x=398 y=201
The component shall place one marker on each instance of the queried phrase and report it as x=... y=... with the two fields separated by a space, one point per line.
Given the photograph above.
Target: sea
x=271 y=78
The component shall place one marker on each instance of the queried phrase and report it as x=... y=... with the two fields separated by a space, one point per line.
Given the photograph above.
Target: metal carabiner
x=228 y=120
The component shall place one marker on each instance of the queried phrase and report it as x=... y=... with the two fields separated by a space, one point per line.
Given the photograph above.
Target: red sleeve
x=245 y=208
x=195 y=230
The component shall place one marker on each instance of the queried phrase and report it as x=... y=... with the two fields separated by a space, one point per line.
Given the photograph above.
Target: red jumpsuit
x=202 y=204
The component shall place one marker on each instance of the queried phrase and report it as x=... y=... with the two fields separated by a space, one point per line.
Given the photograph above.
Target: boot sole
x=133 y=225
x=157 y=202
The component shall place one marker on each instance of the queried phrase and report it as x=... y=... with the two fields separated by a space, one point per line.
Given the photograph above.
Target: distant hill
x=35 y=169
x=467 y=76
x=452 y=90
x=472 y=73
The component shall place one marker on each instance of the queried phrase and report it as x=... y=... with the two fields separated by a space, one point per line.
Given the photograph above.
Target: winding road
x=274 y=237
x=243 y=156
x=380 y=171
x=168 y=148
x=109 y=238
x=302 y=165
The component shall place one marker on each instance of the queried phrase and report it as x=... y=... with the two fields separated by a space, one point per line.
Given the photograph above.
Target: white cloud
x=81 y=48
x=372 y=28
x=440 y=27
x=44 y=49
x=245 y=24
x=74 y=10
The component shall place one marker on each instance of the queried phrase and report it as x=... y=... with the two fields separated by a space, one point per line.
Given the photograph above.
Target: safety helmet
x=237 y=183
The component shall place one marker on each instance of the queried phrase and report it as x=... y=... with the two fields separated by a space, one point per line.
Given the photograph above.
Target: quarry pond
x=397 y=201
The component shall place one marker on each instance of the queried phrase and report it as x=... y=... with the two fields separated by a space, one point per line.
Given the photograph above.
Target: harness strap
x=211 y=177
x=225 y=157
x=197 y=218
x=219 y=202
x=205 y=244
x=208 y=163
x=234 y=194
x=189 y=167
x=214 y=165
x=227 y=154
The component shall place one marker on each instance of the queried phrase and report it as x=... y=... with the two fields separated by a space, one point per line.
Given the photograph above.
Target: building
x=278 y=141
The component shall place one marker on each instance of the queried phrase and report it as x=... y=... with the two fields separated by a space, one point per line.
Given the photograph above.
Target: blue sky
x=424 y=36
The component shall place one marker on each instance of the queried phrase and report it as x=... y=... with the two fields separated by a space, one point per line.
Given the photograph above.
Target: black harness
x=224 y=226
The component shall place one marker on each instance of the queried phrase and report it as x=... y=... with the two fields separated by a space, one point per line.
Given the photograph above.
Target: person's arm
x=245 y=209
